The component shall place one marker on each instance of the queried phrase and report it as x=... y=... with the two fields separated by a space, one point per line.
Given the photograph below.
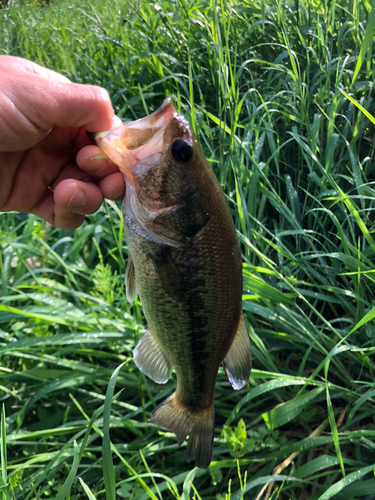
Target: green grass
x=263 y=82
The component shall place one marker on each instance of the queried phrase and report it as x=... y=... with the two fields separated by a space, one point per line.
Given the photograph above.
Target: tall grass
x=262 y=82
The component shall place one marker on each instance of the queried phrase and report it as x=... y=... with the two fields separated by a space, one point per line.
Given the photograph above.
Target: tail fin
x=199 y=425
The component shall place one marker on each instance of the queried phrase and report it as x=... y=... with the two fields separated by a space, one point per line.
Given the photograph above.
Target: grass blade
x=87 y=490
x=356 y=103
x=366 y=318
x=288 y=411
x=369 y=36
x=108 y=470
x=335 y=435
x=65 y=490
x=3 y=456
x=349 y=479
x=295 y=157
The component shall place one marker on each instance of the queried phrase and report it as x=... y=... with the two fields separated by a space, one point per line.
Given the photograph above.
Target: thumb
x=32 y=104
x=68 y=104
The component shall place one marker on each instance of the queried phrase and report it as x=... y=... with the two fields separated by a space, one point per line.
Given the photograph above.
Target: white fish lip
x=137 y=141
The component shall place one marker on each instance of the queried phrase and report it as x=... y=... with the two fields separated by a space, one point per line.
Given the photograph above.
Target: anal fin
x=130 y=284
x=151 y=360
x=237 y=362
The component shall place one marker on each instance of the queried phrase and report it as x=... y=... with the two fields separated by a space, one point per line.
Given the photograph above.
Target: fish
x=185 y=265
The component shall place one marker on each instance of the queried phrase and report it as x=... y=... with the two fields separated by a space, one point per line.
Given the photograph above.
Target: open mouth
x=137 y=141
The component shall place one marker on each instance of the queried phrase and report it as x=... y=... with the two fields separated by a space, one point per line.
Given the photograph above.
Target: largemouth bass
x=185 y=264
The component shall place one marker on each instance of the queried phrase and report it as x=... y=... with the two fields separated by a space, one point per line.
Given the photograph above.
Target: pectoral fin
x=151 y=360
x=130 y=285
x=169 y=275
x=237 y=363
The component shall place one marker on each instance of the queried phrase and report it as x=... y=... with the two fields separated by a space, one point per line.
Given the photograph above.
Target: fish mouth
x=137 y=141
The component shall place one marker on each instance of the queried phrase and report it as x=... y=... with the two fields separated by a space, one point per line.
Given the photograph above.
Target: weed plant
x=262 y=82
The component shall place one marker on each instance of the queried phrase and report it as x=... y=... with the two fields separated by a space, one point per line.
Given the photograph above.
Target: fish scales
x=186 y=268
x=189 y=330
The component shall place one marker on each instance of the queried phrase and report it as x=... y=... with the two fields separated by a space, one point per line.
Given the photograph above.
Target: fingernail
x=116 y=122
x=78 y=198
x=96 y=166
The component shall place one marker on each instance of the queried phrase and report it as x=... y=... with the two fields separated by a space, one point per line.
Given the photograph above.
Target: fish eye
x=182 y=150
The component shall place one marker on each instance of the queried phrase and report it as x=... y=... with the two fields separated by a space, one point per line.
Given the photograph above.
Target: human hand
x=43 y=119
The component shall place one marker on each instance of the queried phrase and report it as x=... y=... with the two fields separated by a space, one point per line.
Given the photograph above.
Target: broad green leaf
x=286 y=412
x=347 y=480
x=315 y=465
x=63 y=339
x=240 y=431
x=360 y=489
x=262 y=389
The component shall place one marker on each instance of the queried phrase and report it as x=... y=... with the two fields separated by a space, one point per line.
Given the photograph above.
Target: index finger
x=93 y=161
x=111 y=181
